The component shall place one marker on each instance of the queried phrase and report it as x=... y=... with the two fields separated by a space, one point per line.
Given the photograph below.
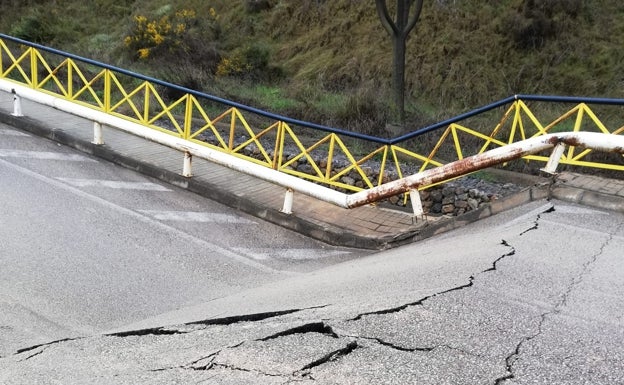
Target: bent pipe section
x=596 y=141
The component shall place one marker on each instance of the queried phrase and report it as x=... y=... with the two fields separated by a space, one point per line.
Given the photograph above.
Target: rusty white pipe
x=596 y=141
x=288 y=181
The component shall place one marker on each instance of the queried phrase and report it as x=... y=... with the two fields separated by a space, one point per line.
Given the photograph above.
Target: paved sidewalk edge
x=327 y=232
x=588 y=198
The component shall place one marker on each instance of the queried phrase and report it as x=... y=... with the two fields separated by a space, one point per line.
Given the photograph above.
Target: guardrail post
x=98 y=138
x=416 y=203
x=186 y=170
x=17 y=104
x=288 y=202
x=555 y=156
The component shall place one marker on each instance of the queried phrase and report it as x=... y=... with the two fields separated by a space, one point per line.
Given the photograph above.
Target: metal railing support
x=553 y=161
x=17 y=104
x=186 y=169
x=288 y=201
x=98 y=138
x=417 y=207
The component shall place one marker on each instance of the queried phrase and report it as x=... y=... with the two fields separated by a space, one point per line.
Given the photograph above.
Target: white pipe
x=265 y=173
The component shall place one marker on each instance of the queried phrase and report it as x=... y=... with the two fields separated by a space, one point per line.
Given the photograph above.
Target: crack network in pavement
x=461 y=287
x=314 y=327
x=254 y=317
x=200 y=364
x=45 y=345
x=513 y=356
x=208 y=362
x=163 y=331
x=539 y=216
x=456 y=288
x=333 y=356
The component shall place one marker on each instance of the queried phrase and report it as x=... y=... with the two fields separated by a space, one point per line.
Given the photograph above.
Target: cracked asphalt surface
x=530 y=296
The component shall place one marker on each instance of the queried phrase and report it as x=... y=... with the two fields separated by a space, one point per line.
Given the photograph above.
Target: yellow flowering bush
x=149 y=37
x=244 y=61
x=233 y=65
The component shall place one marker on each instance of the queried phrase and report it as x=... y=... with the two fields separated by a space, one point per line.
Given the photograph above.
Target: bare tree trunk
x=398 y=29
x=398 y=77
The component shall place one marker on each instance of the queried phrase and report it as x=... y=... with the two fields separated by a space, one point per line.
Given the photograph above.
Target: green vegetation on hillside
x=329 y=61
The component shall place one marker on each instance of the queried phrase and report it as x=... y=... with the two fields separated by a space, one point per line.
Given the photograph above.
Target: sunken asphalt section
x=368 y=227
x=529 y=296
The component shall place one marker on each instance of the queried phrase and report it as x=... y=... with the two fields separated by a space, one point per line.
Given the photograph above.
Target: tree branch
x=384 y=16
x=412 y=21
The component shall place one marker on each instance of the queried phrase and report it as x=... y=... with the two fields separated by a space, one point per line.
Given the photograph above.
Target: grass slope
x=330 y=61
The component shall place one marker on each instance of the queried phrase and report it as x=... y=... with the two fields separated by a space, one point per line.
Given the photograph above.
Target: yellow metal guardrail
x=332 y=157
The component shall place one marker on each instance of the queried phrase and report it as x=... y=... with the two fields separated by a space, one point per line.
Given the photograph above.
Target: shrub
x=255 y=6
x=34 y=28
x=532 y=23
x=364 y=111
x=251 y=61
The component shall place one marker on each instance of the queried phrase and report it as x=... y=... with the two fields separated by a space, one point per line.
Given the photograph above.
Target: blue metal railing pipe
x=212 y=98
x=456 y=119
x=571 y=99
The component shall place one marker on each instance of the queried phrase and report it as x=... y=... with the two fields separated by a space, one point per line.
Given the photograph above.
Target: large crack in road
x=323 y=328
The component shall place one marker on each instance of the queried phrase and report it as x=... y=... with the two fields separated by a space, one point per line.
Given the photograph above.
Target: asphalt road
x=529 y=296
x=86 y=246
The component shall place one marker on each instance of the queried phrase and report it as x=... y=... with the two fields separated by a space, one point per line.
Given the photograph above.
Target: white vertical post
x=416 y=203
x=98 y=138
x=288 y=202
x=186 y=170
x=555 y=156
x=17 y=104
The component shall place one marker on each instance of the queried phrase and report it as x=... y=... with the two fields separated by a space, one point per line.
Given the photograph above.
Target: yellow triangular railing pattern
x=330 y=157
